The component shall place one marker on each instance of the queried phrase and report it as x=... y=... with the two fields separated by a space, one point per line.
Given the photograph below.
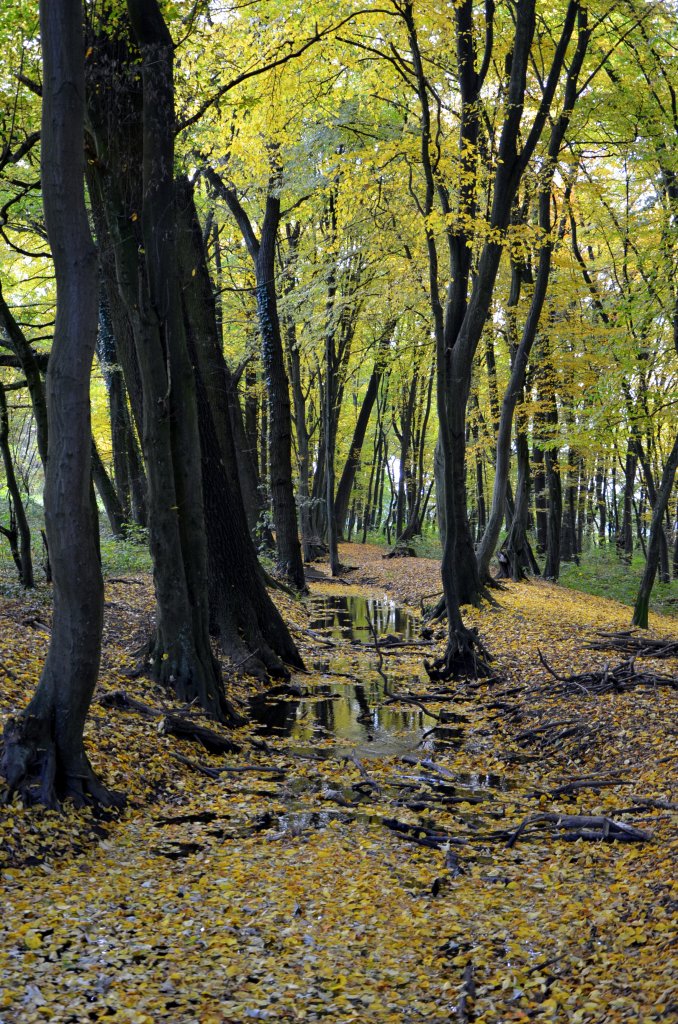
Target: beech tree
x=44 y=755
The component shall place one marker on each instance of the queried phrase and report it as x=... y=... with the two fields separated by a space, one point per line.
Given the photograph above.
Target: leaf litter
x=502 y=852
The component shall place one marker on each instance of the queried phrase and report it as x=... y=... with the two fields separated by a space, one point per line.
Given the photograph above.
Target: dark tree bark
x=30 y=365
x=262 y=252
x=555 y=515
x=136 y=222
x=128 y=471
x=245 y=448
x=568 y=552
x=458 y=327
x=517 y=547
x=352 y=464
x=115 y=513
x=521 y=355
x=640 y=612
x=19 y=533
x=44 y=755
x=540 y=508
x=625 y=535
x=310 y=546
x=248 y=624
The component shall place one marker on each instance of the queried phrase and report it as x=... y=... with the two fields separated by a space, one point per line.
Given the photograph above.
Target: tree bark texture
x=44 y=755
x=640 y=612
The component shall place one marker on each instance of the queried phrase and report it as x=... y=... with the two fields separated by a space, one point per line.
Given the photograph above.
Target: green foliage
x=603 y=573
x=125 y=557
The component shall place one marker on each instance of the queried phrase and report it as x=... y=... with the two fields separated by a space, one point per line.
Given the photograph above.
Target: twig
x=468 y=994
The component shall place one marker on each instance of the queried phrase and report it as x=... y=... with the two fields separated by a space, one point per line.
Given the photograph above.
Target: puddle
x=348 y=616
x=350 y=713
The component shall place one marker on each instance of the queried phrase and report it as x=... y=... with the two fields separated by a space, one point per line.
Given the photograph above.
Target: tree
x=44 y=755
x=262 y=252
x=459 y=321
x=205 y=571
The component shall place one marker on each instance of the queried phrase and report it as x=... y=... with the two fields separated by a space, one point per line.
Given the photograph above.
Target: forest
x=338 y=511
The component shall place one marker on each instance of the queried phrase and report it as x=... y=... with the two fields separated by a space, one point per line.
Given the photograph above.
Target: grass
x=601 y=571
x=604 y=574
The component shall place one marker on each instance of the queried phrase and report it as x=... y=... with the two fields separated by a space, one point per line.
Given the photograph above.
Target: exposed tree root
x=193 y=677
x=465 y=658
x=583 y=826
x=401 y=551
x=619 y=679
x=35 y=768
x=628 y=642
x=184 y=729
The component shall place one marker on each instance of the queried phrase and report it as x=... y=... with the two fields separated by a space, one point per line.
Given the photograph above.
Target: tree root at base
x=35 y=769
x=465 y=658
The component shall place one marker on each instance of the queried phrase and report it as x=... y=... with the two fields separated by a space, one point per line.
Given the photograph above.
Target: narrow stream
x=354 y=712
x=348 y=617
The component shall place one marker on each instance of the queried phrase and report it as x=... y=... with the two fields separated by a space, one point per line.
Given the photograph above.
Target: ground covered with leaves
x=378 y=847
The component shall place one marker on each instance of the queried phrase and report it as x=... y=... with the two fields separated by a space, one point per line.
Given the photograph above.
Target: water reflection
x=349 y=712
x=355 y=713
x=347 y=617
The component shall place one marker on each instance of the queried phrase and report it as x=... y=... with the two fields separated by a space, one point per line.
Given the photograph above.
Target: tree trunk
x=343 y=496
x=640 y=612
x=249 y=626
x=555 y=515
x=262 y=252
x=19 y=534
x=30 y=366
x=115 y=513
x=517 y=546
x=44 y=755
x=625 y=537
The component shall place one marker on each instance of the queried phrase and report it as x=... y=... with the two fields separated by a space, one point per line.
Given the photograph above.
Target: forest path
x=342 y=866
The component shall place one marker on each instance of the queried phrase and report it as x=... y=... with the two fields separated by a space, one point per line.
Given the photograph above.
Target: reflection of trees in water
x=352 y=712
x=347 y=617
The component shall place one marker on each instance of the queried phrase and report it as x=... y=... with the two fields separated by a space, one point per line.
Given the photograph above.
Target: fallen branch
x=583 y=826
x=468 y=994
x=420 y=835
x=183 y=729
x=588 y=782
x=620 y=679
x=629 y=642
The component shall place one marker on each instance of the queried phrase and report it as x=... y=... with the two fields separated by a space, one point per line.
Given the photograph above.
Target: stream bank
x=321 y=876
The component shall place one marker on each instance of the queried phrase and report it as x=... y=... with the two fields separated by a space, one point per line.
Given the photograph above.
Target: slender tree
x=44 y=755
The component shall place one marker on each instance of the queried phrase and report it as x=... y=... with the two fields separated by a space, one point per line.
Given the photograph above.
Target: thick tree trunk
x=249 y=626
x=181 y=656
x=44 y=755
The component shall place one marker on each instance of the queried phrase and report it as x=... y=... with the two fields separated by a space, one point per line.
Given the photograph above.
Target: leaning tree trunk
x=640 y=612
x=115 y=513
x=262 y=252
x=44 y=755
x=250 y=629
x=347 y=479
x=181 y=654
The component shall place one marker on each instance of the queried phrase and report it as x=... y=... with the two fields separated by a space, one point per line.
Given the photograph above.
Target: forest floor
x=359 y=856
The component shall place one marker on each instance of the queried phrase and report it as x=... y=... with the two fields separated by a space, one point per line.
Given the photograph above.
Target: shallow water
x=355 y=713
x=348 y=617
